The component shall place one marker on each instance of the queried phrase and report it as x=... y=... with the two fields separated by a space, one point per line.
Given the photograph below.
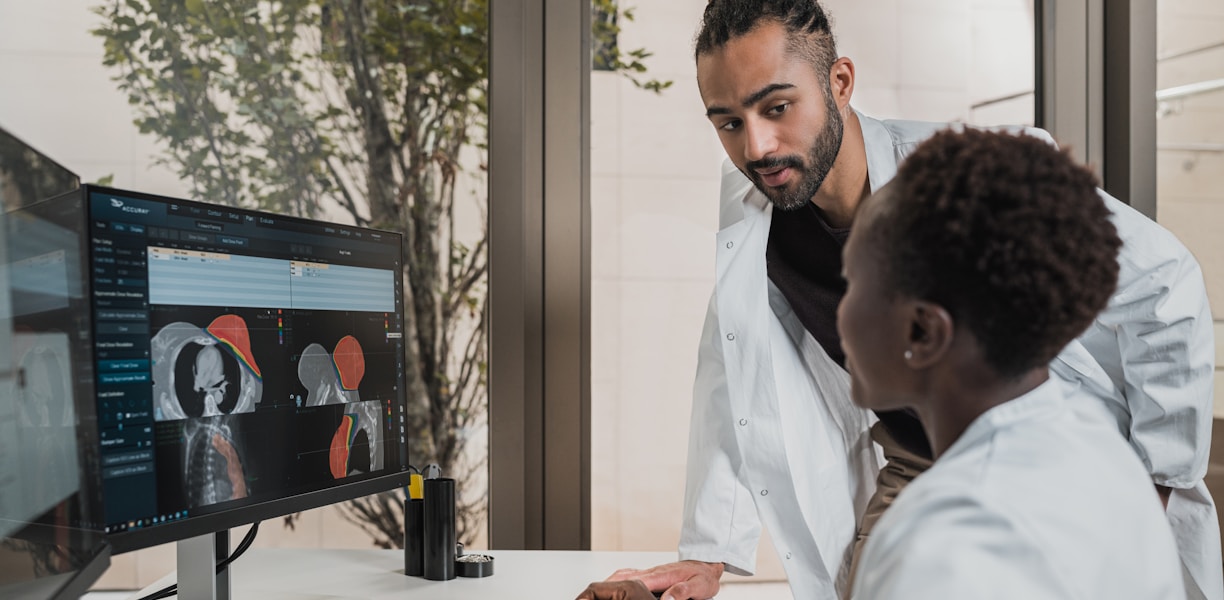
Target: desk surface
x=314 y=574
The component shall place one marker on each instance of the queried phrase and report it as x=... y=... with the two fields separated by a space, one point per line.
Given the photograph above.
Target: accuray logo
x=117 y=203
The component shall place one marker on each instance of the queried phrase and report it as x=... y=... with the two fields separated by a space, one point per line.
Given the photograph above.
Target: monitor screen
x=248 y=364
x=51 y=539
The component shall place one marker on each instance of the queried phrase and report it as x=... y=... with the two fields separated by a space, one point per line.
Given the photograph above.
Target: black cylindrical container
x=414 y=537
x=439 y=529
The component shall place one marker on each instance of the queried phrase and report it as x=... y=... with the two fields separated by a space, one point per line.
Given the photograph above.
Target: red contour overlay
x=341 y=446
x=350 y=362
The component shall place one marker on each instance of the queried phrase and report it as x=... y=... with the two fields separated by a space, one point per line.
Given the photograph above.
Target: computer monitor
x=52 y=543
x=27 y=175
x=248 y=365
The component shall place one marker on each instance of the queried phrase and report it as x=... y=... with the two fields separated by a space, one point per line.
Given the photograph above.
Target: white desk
x=276 y=574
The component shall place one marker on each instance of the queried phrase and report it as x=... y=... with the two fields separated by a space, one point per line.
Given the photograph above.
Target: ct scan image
x=332 y=377
x=212 y=462
x=357 y=446
x=205 y=371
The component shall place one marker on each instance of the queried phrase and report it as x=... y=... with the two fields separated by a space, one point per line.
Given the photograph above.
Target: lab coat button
x=730 y=245
x=764 y=492
x=731 y=337
x=788 y=556
x=743 y=422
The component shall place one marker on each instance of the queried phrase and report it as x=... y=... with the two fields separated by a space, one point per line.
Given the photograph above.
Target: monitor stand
x=198 y=557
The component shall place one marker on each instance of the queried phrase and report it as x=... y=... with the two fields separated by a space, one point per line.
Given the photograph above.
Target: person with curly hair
x=966 y=275
x=775 y=440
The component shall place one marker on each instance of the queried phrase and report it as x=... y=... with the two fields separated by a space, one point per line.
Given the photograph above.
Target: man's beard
x=820 y=159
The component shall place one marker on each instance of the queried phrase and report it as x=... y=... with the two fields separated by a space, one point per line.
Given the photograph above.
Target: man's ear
x=931 y=331
x=841 y=82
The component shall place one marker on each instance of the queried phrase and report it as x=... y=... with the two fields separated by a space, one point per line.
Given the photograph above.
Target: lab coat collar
x=1043 y=401
x=738 y=195
x=881 y=157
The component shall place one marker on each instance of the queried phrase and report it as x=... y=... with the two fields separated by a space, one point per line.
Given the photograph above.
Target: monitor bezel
x=197 y=525
x=194 y=526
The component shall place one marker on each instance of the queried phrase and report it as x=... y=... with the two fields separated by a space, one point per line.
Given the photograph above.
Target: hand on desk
x=617 y=590
x=684 y=580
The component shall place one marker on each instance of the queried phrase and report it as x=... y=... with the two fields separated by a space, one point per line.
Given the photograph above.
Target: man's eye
x=779 y=109
x=730 y=125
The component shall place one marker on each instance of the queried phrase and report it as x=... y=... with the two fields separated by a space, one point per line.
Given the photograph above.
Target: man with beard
x=774 y=437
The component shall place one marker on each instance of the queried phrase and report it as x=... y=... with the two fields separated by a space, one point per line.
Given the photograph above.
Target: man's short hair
x=807 y=25
x=1008 y=234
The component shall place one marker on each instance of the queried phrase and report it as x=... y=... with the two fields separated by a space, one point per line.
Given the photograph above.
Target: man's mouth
x=774 y=177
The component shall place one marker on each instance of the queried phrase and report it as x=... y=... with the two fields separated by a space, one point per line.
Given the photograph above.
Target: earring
x=909 y=355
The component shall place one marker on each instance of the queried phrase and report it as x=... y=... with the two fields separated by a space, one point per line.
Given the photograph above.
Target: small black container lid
x=474 y=565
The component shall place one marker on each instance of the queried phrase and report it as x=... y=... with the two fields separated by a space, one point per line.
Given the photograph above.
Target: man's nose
x=759 y=142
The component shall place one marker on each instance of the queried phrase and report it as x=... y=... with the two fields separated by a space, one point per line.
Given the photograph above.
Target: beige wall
x=1190 y=183
x=57 y=97
x=654 y=212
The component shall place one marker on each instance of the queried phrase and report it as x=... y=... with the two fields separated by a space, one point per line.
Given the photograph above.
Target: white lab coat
x=1147 y=364
x=1032 y=501
x=775 y=439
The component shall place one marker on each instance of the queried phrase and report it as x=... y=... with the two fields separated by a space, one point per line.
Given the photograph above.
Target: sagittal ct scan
x=204 y=372
x=357 y=444
x=334 y=378
x=212 y=462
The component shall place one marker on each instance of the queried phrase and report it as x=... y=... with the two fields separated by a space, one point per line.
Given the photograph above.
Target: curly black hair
x=806 y=22
x=1008 y=234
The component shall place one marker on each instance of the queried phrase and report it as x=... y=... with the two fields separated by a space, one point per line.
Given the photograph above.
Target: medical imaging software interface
x=240 y=356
